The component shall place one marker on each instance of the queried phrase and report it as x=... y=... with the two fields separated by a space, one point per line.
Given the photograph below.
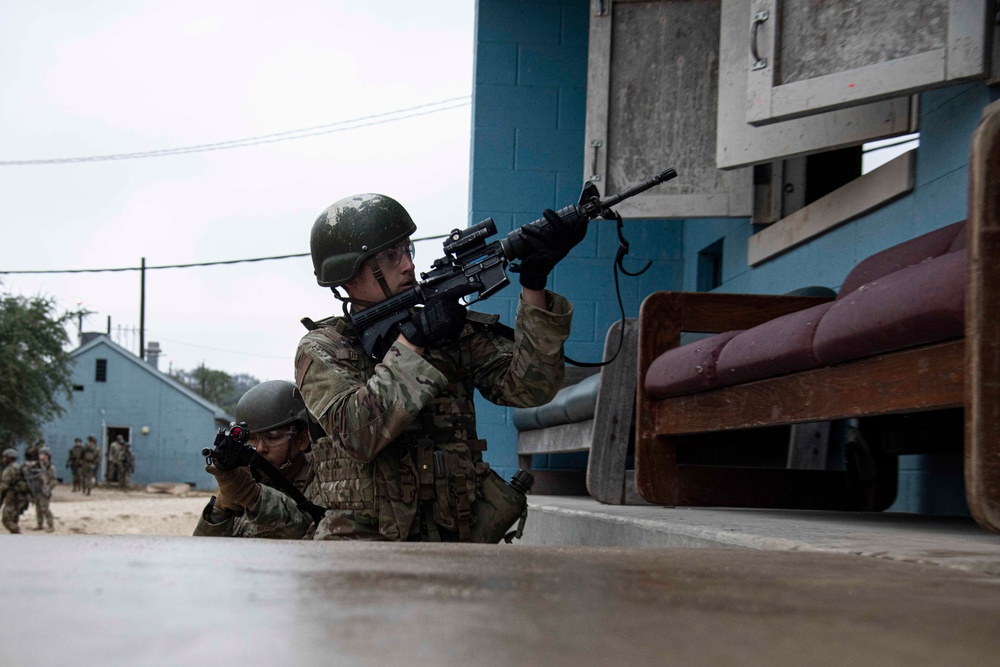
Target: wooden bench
x=961 y=372
x=605 y=427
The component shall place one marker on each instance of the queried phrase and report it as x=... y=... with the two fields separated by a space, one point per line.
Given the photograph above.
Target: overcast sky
x=113 y=77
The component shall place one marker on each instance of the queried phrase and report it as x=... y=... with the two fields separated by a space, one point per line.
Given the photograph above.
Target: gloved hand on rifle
x=237 y=488
x=549 y=244
x=440 y=320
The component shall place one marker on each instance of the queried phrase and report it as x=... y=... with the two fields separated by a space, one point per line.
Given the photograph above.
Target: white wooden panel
x=916 y=46
x=739 y=144
x=651 y=104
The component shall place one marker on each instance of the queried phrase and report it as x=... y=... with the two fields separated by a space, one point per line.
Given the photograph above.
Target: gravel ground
x=115 y=511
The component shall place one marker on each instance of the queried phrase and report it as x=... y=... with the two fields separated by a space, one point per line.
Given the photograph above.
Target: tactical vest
x=437 y=459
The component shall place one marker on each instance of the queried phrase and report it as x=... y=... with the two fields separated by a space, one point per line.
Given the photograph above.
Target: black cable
x=454 y=102
x=185 y=266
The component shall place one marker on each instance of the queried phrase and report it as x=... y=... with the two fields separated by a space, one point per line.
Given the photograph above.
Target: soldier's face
x=279 y=446
x=397 y=269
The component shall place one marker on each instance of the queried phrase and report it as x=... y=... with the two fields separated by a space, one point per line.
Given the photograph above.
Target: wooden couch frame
x=962 y=373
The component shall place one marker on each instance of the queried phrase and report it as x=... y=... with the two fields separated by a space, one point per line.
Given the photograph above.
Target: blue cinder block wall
x=528 y=152
x=529 y=110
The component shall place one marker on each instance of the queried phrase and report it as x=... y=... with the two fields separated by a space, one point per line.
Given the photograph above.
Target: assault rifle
x=232 y=450
x=471 y=265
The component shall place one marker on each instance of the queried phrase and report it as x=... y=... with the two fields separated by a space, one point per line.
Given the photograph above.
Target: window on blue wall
x=101 y=371
x=78 y=387
x=877 y=153
x=710 y=266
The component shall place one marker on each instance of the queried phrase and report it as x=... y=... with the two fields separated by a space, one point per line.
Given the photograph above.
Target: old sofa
x=913 y=328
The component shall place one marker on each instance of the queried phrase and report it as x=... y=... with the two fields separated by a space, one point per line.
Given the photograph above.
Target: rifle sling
x=285 y=485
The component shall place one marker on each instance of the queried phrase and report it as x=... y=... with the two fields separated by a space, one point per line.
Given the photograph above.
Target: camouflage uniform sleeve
x=205 y=527
x=52 y=476
x=276 y=516
x=528 y=371
x=6 y=479
x=363 y=414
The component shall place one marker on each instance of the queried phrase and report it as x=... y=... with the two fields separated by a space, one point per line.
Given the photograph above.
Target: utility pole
x=142 y=311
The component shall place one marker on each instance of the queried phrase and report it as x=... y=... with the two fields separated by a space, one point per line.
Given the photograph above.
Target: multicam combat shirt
x=368 y=408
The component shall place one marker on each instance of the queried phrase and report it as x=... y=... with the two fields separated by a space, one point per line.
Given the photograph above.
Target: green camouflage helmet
x=9 y=454
x=269 y=405
x=352 y=230
x=45 y=450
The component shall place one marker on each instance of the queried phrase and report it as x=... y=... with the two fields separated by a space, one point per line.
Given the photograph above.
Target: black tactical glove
x=442 y=319
x=549 y=244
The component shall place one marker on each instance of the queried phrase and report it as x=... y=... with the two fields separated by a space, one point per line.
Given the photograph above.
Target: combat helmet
x=269 y=405
x=45 y=450
x=9 y=454
x=353 y=229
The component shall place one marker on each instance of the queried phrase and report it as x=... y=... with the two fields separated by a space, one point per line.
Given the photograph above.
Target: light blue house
x=567 y=90
x=116 y=392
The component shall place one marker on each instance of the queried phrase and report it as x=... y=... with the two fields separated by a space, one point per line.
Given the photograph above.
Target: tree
x=35 y=369
x=219 y=387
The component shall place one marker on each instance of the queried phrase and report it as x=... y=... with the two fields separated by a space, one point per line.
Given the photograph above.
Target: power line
x=289 y=135
x=183 y=266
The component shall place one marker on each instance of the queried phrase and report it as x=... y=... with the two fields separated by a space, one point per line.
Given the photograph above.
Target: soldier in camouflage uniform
x=13 y=492
x=31 y=450
x=114 y=460
x=126 y=465
x=402 y=460
x=73 y=462
x=89 y=461
x=277 y=420
x=44 y=495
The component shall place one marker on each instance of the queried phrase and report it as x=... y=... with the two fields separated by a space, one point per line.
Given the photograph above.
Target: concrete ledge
x=953 y=542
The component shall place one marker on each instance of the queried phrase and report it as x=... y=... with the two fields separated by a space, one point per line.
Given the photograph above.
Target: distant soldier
x=90 y=459
x=74 y=462
x=40 y=476
x=13 y=491
x=114 y=460
x=126 y=465
x=31 y=451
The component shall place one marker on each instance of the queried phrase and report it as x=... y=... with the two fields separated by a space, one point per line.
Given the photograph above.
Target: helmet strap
x=379 y=277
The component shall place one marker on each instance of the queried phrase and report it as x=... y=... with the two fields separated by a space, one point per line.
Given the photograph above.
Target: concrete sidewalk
x=129 y=600
x=953 y=542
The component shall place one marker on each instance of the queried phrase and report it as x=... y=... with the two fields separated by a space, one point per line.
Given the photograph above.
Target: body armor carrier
x=434 y=468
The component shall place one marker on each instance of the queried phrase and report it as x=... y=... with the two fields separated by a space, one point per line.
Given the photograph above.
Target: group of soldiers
x=27 y=483
x=384 y=444
x=32 y=482
x=121 y=463
x=82 y=463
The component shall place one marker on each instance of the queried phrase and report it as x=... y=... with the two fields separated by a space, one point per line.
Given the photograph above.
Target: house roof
x=102 y=340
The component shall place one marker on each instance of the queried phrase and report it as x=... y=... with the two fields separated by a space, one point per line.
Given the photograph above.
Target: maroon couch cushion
x=687 y=369
x=933 y=244
x=780 y=346
x=916 y=305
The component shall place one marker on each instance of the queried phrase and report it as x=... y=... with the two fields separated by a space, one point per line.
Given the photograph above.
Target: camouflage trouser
x=77 y=478
x=43 y=513
x=126 y=478
x=11 y=513
x=87 y=478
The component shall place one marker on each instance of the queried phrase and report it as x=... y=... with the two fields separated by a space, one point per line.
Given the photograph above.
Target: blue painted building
x=528 y=153
x=116 y=392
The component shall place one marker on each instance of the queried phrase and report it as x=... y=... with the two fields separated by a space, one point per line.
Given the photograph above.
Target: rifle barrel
x=636 y=189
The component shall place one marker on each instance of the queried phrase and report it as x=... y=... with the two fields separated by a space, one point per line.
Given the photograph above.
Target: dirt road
x=113 y=511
